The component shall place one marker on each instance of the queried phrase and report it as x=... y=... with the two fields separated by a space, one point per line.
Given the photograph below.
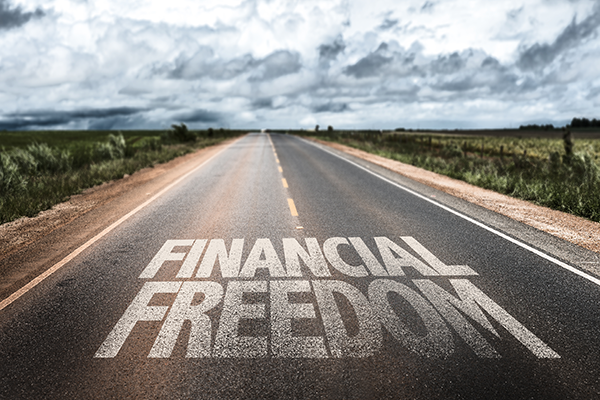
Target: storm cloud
x=540 y=55
x=13 y=17
x=256 y=64
x=52 y=118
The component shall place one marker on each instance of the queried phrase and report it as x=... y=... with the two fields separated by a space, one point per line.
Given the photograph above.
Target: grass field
x=67 y=139
x=41 y=169
x=546 y=171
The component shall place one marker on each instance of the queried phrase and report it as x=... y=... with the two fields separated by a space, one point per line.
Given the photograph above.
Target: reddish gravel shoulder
x=577 y=230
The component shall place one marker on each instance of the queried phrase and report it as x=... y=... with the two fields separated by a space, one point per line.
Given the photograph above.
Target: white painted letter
x=314 y=258
x=271 y=261
x=189 y=265
x=228 y=343
x=440 y=267
x=438 y=340
x=200 y=334
x=469 y=301
x=330 y=250
x=138 y=310
x=164 y=254
x=369 y=337
x=230 y=264
x=368 y=257
x=393 y=264
x=471 y=297
x=282 y=312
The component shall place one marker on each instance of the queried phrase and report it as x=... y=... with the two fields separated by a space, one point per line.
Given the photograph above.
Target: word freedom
x=441 y=312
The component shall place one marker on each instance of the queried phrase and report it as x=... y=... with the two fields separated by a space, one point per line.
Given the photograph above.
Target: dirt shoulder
x=20 y=233
x=577 y=230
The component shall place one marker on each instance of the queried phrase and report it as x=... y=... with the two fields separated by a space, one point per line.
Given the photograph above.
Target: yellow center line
x=292 y=208
x=291 y=204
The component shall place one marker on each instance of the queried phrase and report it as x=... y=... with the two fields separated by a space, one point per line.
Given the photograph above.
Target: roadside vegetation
x=563 y=174
x=41 y=169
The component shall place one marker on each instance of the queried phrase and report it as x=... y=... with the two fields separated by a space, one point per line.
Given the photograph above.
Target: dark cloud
x=277 y=64
x=427 y=6
x=202 y=64
x=199 y=115
x=448 y=64
x=388 y=24
x=233 y=68
x=330 y=107
x=48 y=118
x=262 y=103
x=540 y=55
x=328 y=52
x=15 y=17
x=193 y=67
x=490 y=62
x=369 y=65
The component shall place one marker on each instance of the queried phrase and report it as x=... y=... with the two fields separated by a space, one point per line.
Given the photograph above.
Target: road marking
x=284 y=181
x=292 y=208
x=10 y=299
x=280 y=169
x=438 y=309
x=458 y=214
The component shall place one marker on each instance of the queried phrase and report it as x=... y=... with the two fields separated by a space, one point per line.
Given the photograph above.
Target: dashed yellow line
x=292 y=208
x=291 y=204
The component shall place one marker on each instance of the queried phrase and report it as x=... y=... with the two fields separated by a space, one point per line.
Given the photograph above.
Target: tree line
x=575 y=123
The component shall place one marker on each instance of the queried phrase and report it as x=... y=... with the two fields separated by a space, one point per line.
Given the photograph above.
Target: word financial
x=288 y=298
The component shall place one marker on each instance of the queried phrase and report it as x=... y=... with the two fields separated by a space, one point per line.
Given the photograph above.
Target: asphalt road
x=282 y=270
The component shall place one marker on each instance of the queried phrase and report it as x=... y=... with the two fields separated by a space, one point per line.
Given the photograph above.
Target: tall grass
x=544 y=171
x=38 y=176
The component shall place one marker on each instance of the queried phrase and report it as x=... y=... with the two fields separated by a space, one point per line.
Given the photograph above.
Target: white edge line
x=33 y=283
x=481 y=225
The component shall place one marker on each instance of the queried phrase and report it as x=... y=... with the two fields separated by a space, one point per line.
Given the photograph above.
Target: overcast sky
x=113 y=64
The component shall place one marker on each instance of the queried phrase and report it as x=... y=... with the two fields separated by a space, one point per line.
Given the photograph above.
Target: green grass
x=34 y=176
x=67 y=139
x=533 y=169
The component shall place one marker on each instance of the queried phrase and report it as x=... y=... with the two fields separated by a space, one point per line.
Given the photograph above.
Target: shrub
x=49 y=160
x=178 y=134
x=11 y=179
x=25 y=161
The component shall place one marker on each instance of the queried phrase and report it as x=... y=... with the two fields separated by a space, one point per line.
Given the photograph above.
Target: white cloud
x=346 y=63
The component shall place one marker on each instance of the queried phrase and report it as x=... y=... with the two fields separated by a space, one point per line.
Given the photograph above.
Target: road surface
x=281 y=269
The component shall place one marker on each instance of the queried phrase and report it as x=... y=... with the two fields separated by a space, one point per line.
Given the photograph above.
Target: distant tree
x=537 y=127
x=330 y=128
x=317 y=128
x=585 y=123
x=181 y=133
x=210 y=132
